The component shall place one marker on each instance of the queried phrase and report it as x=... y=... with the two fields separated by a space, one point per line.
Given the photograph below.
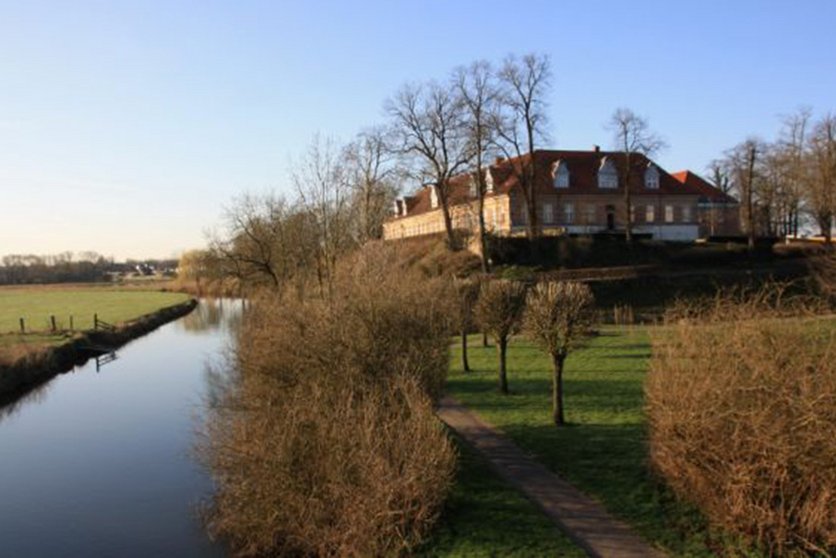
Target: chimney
x=499 y=160
x=596 y=148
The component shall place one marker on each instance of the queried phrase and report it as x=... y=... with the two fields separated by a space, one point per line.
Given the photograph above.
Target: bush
x=325 y=443
x=742 y=412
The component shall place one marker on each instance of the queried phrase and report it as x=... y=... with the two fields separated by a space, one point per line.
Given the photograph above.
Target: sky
x=127 y=127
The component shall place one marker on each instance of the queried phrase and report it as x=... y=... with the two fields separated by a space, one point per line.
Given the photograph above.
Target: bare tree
x=633 y=137
x=427 y=124
x=370 y=173
x=521 y=121
x=743 y=164
x=558 y=316
x=254 y=238
x=499 y=311
x=821 y=186
x=479 y=92
x=324 y=194
x=792 y=160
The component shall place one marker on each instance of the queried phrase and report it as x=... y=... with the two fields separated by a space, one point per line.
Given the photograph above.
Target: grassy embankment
x=603 y=450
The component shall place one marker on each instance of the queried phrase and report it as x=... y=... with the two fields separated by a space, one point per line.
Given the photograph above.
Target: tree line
x=786 y=182
x=66 y=267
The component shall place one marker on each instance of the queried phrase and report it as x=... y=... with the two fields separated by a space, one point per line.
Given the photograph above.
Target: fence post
x=95 y=321
x=52 y=322
x=22 y=327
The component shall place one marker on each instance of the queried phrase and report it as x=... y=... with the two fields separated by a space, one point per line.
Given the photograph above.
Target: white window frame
x=670 y=214
x=569 y=213
x=686 y=214
x=433 y=197
x=607 y=175
x=561 y=175
x=548 y=213
x=650 y=214
x=651 y=177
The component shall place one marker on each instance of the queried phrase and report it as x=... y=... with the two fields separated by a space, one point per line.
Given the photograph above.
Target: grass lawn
x=484 y=516
x=36 y=304
x=603 y=451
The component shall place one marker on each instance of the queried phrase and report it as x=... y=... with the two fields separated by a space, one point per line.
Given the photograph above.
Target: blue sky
x=125 y=127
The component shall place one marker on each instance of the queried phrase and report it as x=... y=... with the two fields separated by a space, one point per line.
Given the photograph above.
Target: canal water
x=99 y=462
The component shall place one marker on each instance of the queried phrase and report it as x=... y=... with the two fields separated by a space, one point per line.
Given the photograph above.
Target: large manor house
x=577 y=192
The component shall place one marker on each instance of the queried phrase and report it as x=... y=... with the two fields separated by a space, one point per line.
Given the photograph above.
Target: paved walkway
x=581 y=518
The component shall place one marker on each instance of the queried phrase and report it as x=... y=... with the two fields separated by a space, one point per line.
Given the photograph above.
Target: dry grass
x=326 y=443
x=742 y=411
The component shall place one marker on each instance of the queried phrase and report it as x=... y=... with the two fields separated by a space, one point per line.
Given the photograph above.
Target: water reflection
x=212 y=313
x=102 y=467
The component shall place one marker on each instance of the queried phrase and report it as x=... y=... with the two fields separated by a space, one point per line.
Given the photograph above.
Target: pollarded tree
x=499 y=312
x=467 y=293
x=558 y=316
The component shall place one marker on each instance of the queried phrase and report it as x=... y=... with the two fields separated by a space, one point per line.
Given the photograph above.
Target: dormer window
x=433 y=197
x=474 y=188
x=651 y=177
x=488 y=181
x=607 y=174
x=560 y=175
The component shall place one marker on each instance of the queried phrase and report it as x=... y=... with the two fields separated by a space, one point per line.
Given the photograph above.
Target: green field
x=603 y=450
x=36 y=304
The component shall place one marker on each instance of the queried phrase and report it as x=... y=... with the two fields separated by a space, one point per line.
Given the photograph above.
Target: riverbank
x=35 y=367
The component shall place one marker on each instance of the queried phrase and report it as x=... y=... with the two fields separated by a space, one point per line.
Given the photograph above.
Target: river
x=99 y=462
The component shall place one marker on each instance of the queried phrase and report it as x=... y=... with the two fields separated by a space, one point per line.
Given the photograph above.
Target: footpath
x=584 y=520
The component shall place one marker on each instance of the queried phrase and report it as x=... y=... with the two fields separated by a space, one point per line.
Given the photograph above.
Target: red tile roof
x=707 y=191
x=583 y=178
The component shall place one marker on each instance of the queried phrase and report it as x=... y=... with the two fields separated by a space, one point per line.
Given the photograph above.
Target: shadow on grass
x=604 y=451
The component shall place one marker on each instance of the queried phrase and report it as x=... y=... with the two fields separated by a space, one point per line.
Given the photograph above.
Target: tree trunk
x=501 y=346
x=485 y=340
x=557 y=390
x=448 y=226
x=465 y=364
x=483 y=245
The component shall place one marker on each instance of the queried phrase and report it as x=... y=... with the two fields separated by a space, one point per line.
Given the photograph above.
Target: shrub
x=499 y=310
x=325 y=442
x=742 y=412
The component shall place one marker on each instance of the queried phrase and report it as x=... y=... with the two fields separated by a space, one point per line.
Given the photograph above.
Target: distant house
x=578 y=192
x=718 y=213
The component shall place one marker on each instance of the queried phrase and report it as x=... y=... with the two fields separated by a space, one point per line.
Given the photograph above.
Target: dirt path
x=581 y=518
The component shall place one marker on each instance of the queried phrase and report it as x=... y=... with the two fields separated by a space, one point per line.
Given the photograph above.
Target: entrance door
x=610 y=218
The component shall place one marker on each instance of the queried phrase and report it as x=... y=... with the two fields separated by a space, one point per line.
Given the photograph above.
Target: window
x=473 y=188
x=560 y=174
x=548 y=214
x=686 y=213
x=488 y=181
x=569 y=213
x=433 y=197
x=607 y=174
x=651 y=177
x=590 y=214
x=668 y=214
x=650 y=214
x=632 y=213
